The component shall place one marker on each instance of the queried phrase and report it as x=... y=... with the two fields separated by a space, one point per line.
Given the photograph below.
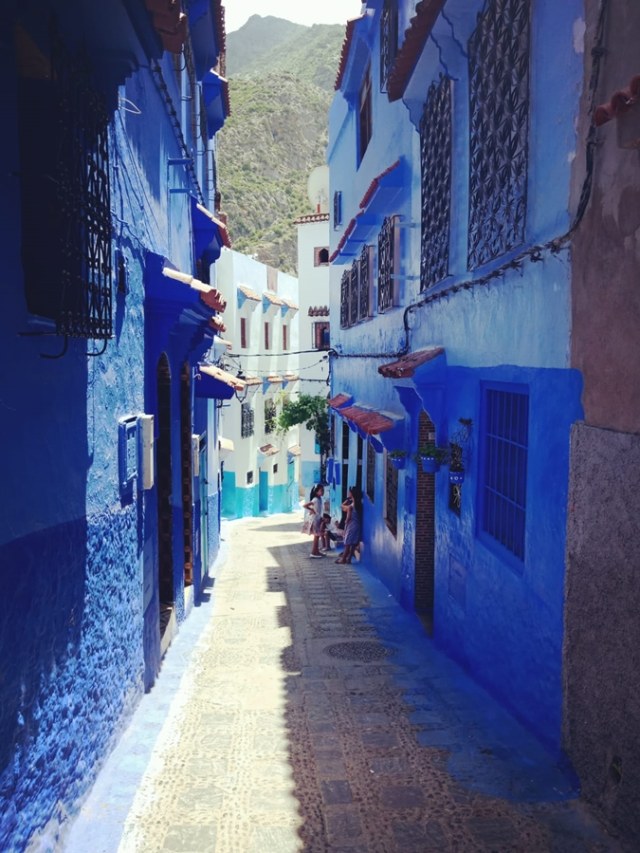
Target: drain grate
x=359 y=650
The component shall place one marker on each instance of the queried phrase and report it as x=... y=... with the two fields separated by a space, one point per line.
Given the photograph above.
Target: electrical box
x=146 y=451
x=195 y=450
x=127 y=452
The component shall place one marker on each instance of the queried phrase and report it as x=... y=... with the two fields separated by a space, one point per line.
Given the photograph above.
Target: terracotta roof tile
x=367 y=420
x=222 y=375
x=248 y=293
x=375 y=184
x=294 y=450
x=405 y=367
x=346 y=47
x=268 y=450
x=318 y=311
x=289 y=304
x=217 y=324
x=252 y=380
x=619 y=103
x=415 y=38
x=274 y=380
x=339 y=400
x=272 y=297
x=311 y=217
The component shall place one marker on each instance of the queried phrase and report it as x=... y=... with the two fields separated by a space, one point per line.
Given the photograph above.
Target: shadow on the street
x=391 y=745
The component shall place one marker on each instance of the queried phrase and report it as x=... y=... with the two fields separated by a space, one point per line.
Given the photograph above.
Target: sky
x=298 y=11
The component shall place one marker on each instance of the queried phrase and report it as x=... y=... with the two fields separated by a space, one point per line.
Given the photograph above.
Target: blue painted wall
x=505 y=625
x=79 y=639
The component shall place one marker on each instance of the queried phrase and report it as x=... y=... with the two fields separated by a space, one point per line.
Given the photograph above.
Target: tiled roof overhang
x=209 y=296
x=405 y=367
x=415 y=38
x=370 y=422
x=289 y=305
x=318 y=311
x=215 y=383
x=311 y=217
x=270 y=296
x=210 y=234
x=619 y=103
x=346 y=47
x=248 y=293
x=380 y=193
x=268 y=450
x=339 y=400
x=215 y=91
x=169 y=22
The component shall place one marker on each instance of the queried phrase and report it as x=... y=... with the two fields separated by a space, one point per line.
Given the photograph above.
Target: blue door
x=263 y=498
x=291 y=474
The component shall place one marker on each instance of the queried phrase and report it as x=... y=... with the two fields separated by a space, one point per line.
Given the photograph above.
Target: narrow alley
x=301 y=709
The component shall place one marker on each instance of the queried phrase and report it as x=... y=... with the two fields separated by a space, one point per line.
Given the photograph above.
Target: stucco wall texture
x=602 y=621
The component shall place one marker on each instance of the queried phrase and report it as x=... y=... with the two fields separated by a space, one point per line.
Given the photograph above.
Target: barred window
x=247 y=417
x=435 y=171
x=345 y=283
x=365 y=263
x=387 y=285
x=503 y=492
x=499 y=118
x=321 y=335
x=65 y=184
x=269 y=416
x=355 y=290
x=364 y=115
x=353 y=294
x=388 y=40
x=391 y=496
x=371 y=471
x=337 y=208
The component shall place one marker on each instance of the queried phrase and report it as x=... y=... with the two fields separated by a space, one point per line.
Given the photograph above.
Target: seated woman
x=353 y=524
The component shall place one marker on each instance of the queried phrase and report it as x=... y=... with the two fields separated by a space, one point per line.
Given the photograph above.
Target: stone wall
x=602 y=623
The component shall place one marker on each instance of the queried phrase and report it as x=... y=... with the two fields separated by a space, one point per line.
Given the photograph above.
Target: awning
x=192 y=287
x=415 y=38
x=214 y=383
x=405 y=367
x=226 y=444
x=275 y=380
x=245 y=292
x=288 y=305
x=380 y=198
x=209 y=233
x=215 y=90
x=340 y=400
x=367 y=421
x=290 y=377
x=294 y=450
x=268 y=450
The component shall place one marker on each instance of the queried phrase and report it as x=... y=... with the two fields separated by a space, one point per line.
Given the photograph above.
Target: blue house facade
x=451 y=169
x=109 y=459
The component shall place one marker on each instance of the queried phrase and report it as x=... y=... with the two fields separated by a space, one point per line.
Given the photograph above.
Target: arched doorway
x=165 y=521
x=425 y=530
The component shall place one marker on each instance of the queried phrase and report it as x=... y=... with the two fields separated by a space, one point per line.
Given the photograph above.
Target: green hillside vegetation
x=276 y=135
x=256 y=37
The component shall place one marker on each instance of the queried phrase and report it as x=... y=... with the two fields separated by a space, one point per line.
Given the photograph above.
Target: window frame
x=320 y=326
x=365 y=114
x=514 y=559
x=391 y=476
x=243 y=332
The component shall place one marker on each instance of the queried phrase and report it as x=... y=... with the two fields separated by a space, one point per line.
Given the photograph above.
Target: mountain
x=281 y=79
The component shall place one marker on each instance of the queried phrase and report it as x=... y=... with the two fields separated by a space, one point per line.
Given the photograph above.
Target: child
x=352 y=528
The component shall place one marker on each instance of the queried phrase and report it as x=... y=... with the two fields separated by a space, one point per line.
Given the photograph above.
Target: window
x=249 y=478
x=435 y=172
x=243 y=333
x=356 y=290
x=337 y=208
x=364 y=115
x=247 y=417
x=499 y=128
x=320 y=256
x=371 y=471
x=269 y=416
x=391 y=496
x=388 y=40
x=503 y=492
x=267 y=336
x=65 y=184
x=387 y=254
x=321 y=335
x=285 y=337
x=275 y=468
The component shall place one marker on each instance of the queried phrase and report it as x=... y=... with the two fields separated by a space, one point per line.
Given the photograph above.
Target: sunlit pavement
x=301 y=709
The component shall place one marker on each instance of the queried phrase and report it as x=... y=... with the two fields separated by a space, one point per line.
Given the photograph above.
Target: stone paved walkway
x=313 y=714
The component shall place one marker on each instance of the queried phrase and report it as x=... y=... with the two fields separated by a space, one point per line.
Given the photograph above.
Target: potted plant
x=398 y=458
x=431 y=457
x=456 y=476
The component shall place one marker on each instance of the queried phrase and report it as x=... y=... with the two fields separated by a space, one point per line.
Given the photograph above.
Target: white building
x=313 y=279
x=260 y=465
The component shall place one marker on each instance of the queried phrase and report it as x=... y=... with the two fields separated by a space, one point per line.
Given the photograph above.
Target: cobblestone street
x=313 y=714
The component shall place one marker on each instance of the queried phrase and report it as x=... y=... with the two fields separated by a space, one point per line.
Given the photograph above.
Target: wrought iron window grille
x=499 y=127
x=388 y=40
x=269 y=416
x=435 y=170
x=337 y=208
x=371 y=471
x=344 y=299
x=364 y=283
x=365 y=128
x=387 y=255
x=391 y=496
x=353 y=294
x=247 y=418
